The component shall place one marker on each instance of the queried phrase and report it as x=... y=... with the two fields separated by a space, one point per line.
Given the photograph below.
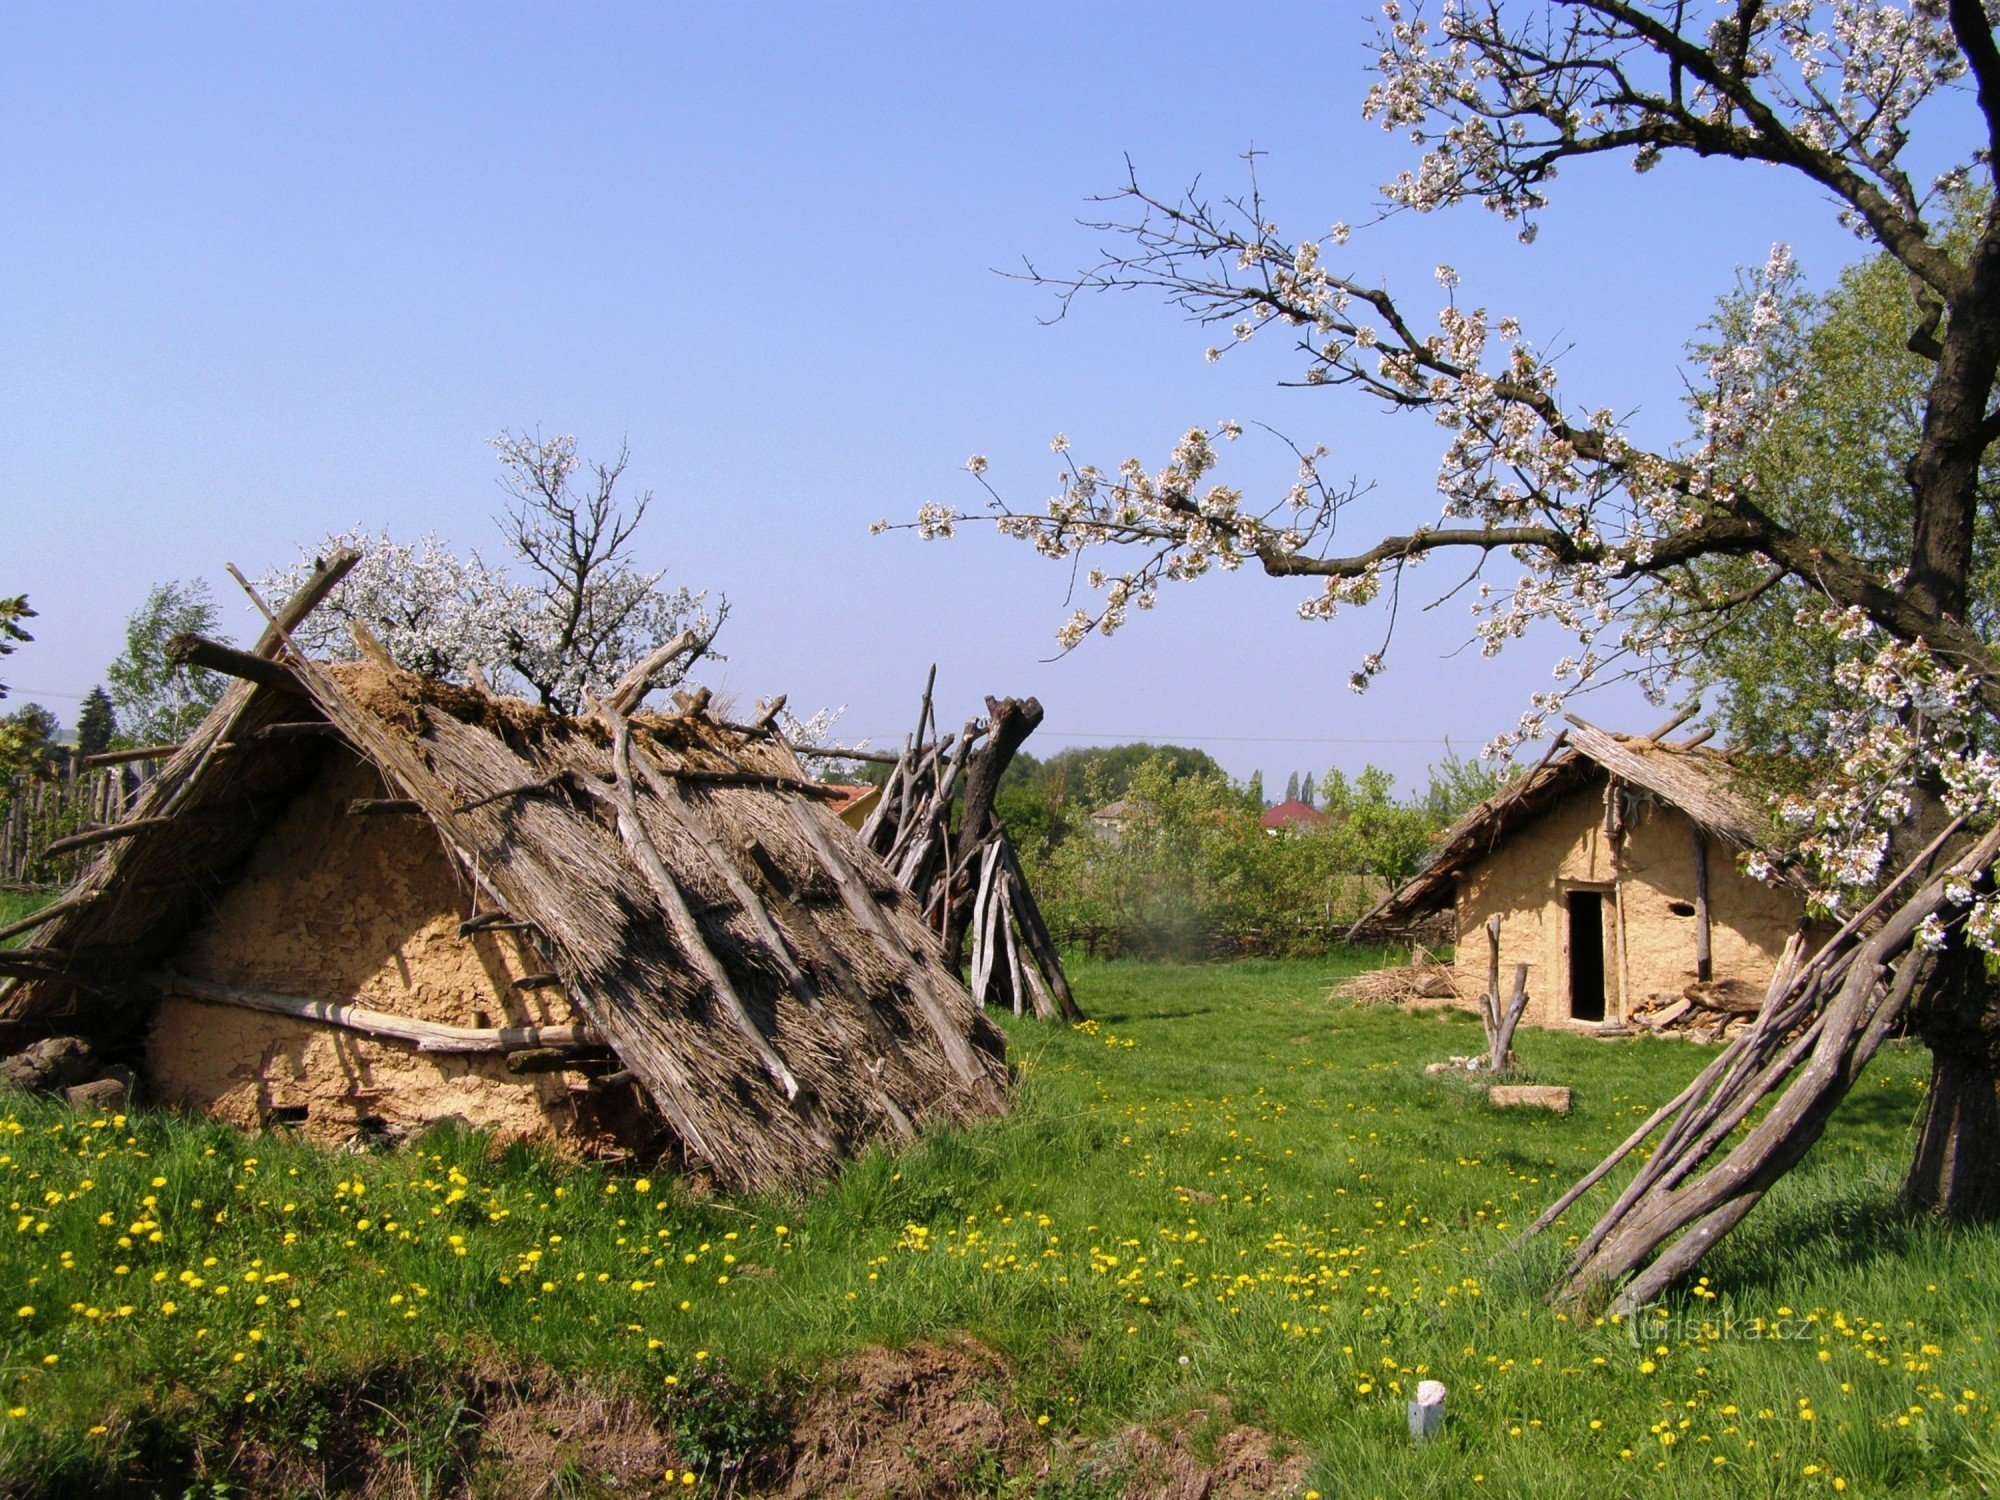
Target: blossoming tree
x=1604 y=533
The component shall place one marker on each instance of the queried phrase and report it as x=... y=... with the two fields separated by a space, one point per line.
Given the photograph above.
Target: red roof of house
x=1292 y=813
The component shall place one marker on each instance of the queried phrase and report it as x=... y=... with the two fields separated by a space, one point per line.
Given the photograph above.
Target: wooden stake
x=1704 y=962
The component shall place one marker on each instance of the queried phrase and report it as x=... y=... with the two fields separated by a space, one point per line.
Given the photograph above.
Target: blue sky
x=269 y=272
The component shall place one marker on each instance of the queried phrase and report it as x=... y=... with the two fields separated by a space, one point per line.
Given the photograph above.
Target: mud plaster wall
x=362 y=910
x=1648 y=948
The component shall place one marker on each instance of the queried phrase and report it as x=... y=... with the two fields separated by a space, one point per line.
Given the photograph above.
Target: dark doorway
x=1586 y=955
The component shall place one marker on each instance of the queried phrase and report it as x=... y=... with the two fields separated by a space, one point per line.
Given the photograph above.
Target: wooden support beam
x=1704 y=958
x=191 y=650
x=292 y=613
x=767 y=717
x=106 y=834
x=544 y=1060
x=807 y=752
x=124 y=757
x=539 y=982
x=493 y=921
x=366 y=807
x=753 y=778
x=304 y=730
x=426 y=1036
x=47 y=914
x=524 y=789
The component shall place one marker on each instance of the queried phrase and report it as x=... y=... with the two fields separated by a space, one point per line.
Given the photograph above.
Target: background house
x=1614 y=870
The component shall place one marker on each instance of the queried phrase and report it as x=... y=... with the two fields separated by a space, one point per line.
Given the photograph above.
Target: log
x=768 y=715
x=93 y=836
x=1500 y=1059
x=123 y=757
x=303 y=730
x=427 y=1036
x=539 y=982
x=191 y=650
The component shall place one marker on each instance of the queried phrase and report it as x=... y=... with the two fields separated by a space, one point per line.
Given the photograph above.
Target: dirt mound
x=929 y=1420
x=552 y=1442
x=1204 y=1456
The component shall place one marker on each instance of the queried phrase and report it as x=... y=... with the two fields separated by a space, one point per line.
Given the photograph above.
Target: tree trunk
x=1956 y=1169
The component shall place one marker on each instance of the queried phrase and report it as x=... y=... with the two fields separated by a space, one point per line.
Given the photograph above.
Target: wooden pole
x=1704 y=960
x=427 y=1036
x=191 y=650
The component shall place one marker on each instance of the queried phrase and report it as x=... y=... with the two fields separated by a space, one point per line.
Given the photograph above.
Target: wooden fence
x=37 y=810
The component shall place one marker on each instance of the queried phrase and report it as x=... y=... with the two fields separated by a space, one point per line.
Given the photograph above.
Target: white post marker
x=1427 y=1410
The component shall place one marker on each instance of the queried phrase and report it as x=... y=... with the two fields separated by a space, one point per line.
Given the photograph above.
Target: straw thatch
x=1700 y=782
x=758 y=974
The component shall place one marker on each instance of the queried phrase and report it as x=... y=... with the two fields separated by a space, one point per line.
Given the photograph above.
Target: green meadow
x=1225 y=1185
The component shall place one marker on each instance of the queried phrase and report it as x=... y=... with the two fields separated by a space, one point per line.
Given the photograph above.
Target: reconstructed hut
x=1613 y=871
x=361 y=899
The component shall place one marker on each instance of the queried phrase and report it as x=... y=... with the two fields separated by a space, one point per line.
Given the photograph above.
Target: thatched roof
x=832 y=1021
x=1700 y=782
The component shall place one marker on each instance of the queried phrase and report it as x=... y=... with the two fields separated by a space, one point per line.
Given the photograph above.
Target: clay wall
x=1647 y=880
x=362 y=910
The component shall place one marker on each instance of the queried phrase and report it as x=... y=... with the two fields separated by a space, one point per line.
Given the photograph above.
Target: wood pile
x=1717 y=1010
x=1424 y=977
x=936 y=830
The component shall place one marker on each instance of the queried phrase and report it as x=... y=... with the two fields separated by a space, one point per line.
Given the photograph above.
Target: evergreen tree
x=1256 y=790
x=1306 y=790
x=95 y=723
x=1292 y=788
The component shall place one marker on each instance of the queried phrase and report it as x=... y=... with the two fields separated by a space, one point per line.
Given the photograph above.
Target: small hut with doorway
x=358 y=900
x=1613 y=873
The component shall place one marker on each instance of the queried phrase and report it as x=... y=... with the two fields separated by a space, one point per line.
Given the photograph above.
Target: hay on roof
x=1700 y=782
x=835 y=972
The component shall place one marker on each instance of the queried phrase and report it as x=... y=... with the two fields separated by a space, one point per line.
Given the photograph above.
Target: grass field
x=1224 y=1184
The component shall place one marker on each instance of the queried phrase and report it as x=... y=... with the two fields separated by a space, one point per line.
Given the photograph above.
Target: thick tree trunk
x=1956 y=1169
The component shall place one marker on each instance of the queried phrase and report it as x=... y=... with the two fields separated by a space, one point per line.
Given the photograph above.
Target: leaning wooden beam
x=106 y=835
x=190 y=650
x=47 y=914
x=376 y=807
x=123 y=757
x=1704 y=962
x=635 y=684
x=768 y=715
x=1028 y=914
x=326 y=574
x=303 y=730
x=426 y=1036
